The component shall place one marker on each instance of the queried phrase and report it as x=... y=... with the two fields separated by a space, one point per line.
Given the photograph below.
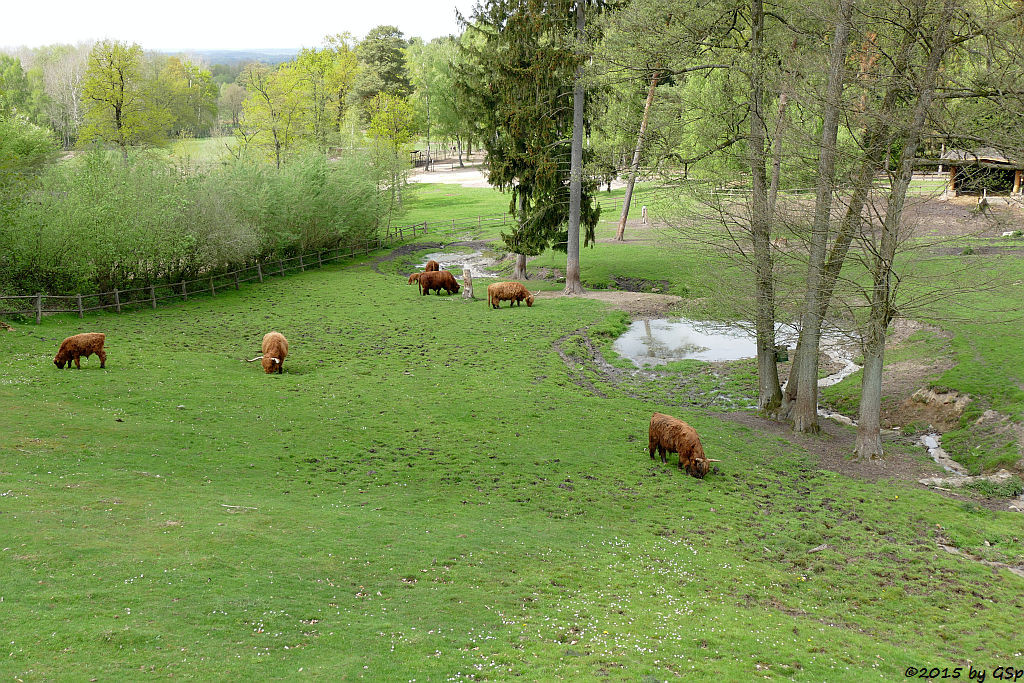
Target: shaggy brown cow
x=675 y=436
x=74 y=347
x=512 y=292
x=432 y=266
x=275 y=350
x=415 y=277
x=438 y=280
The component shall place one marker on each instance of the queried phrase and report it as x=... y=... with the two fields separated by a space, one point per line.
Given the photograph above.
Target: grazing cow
x=438 y=280
x=76 y=346
x=432 y=266
x=275 y=350
x=512 y=292
x=415 y=277
x=675 y=436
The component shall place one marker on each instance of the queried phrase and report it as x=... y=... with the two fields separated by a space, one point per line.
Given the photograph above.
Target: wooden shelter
x=985 y=169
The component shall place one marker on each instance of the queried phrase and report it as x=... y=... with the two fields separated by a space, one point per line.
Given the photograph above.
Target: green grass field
x=429 y=492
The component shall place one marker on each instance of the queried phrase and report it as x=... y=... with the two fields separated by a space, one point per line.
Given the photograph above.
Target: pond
x=660 y=341
x=475 y=261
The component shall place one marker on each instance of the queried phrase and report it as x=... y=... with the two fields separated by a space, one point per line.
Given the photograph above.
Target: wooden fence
x=152 y=294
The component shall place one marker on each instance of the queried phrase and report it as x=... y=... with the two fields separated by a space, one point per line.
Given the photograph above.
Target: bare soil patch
x=637 y=304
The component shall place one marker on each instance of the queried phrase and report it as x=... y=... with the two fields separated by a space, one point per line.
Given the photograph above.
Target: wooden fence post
x=213 y=291
x=259 y=271
x=302 y=266
x=280 y=265
x=152 y=295
x=81 y=312
x=39 y=308
x=320 y=258
x=184 y=291
x=236 y=279
x=117 y=299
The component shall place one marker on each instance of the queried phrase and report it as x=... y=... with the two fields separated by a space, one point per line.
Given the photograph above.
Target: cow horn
x=276 y=360
x=712 y=459
x=252 y=359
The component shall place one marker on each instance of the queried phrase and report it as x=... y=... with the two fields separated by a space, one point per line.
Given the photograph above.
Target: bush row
x=94 y=222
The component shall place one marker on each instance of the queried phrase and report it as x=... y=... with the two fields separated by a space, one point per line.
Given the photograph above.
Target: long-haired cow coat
x=438 y=280
x=675 y=436
x=76 y=346
x=512 y=292
x=275 y=349
x=432 y=266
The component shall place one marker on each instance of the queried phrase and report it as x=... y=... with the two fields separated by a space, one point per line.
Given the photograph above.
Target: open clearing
x=438 y=491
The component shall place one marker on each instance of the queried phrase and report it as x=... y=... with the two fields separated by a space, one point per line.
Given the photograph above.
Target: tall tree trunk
x=877 y=142
x=869 y=442
x=769 y=394
x=805 y=411
x=572 y=257
x=773 y=188
x=635 y=166
x=519 y=271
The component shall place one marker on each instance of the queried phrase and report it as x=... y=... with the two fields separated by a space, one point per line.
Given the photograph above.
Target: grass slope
x=425 y=493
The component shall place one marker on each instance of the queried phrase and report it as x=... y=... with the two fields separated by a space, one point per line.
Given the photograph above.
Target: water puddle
x=661 y=341
x=477 y=264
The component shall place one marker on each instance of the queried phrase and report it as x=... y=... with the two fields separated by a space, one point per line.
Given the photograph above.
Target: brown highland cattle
x=275 y=350
x=85 y=344
x=512 y=292
x=415 y=277
x=432 y=266
x=438 y=280
x=675 y=436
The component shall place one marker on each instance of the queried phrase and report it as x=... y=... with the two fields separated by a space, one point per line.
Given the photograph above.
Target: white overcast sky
x=218 y=24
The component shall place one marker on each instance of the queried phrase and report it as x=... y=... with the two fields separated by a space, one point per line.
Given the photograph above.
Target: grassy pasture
x=426 y=493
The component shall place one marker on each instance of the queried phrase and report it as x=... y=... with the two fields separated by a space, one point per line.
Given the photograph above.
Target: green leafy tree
x=382 y=66
x=14 y=86
x=522 y=80
x=328 y=74
x=190 y=95
x=120 y=107
x=274 y=112
x=392 y=126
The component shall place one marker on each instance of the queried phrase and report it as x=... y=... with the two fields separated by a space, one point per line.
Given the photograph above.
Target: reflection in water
x=656 y=342
x=475 y=262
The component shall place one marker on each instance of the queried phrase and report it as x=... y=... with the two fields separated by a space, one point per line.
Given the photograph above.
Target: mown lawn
x=426 y=493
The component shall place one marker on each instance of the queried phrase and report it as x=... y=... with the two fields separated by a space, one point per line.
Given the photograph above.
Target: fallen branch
x=239 y=507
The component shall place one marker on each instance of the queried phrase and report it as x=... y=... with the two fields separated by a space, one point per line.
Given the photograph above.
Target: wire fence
x=152 y=294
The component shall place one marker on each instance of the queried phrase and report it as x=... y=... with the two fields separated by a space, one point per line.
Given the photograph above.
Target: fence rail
x=153 y=293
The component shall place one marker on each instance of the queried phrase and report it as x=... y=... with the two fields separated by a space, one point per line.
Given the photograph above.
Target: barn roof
x=982 y=156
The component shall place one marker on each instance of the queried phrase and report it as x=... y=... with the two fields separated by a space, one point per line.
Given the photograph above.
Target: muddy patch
x=474 y=261
x=639 y=284
x=637 y=304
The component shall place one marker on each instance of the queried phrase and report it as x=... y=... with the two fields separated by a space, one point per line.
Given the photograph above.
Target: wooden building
x=982 y=170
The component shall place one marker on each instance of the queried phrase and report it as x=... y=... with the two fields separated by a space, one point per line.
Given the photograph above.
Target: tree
x=119 y=108
x=14 y=88
x=392 y=124
x=522 y=80
x=230 y=102
x=274 y=112
x=328 y=75
x=190 y=96
x=883 y=246
x=382 y=66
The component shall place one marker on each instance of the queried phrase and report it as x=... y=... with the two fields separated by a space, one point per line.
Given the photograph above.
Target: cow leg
x=103 y=358
x=661 y=452
x=78 y=363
